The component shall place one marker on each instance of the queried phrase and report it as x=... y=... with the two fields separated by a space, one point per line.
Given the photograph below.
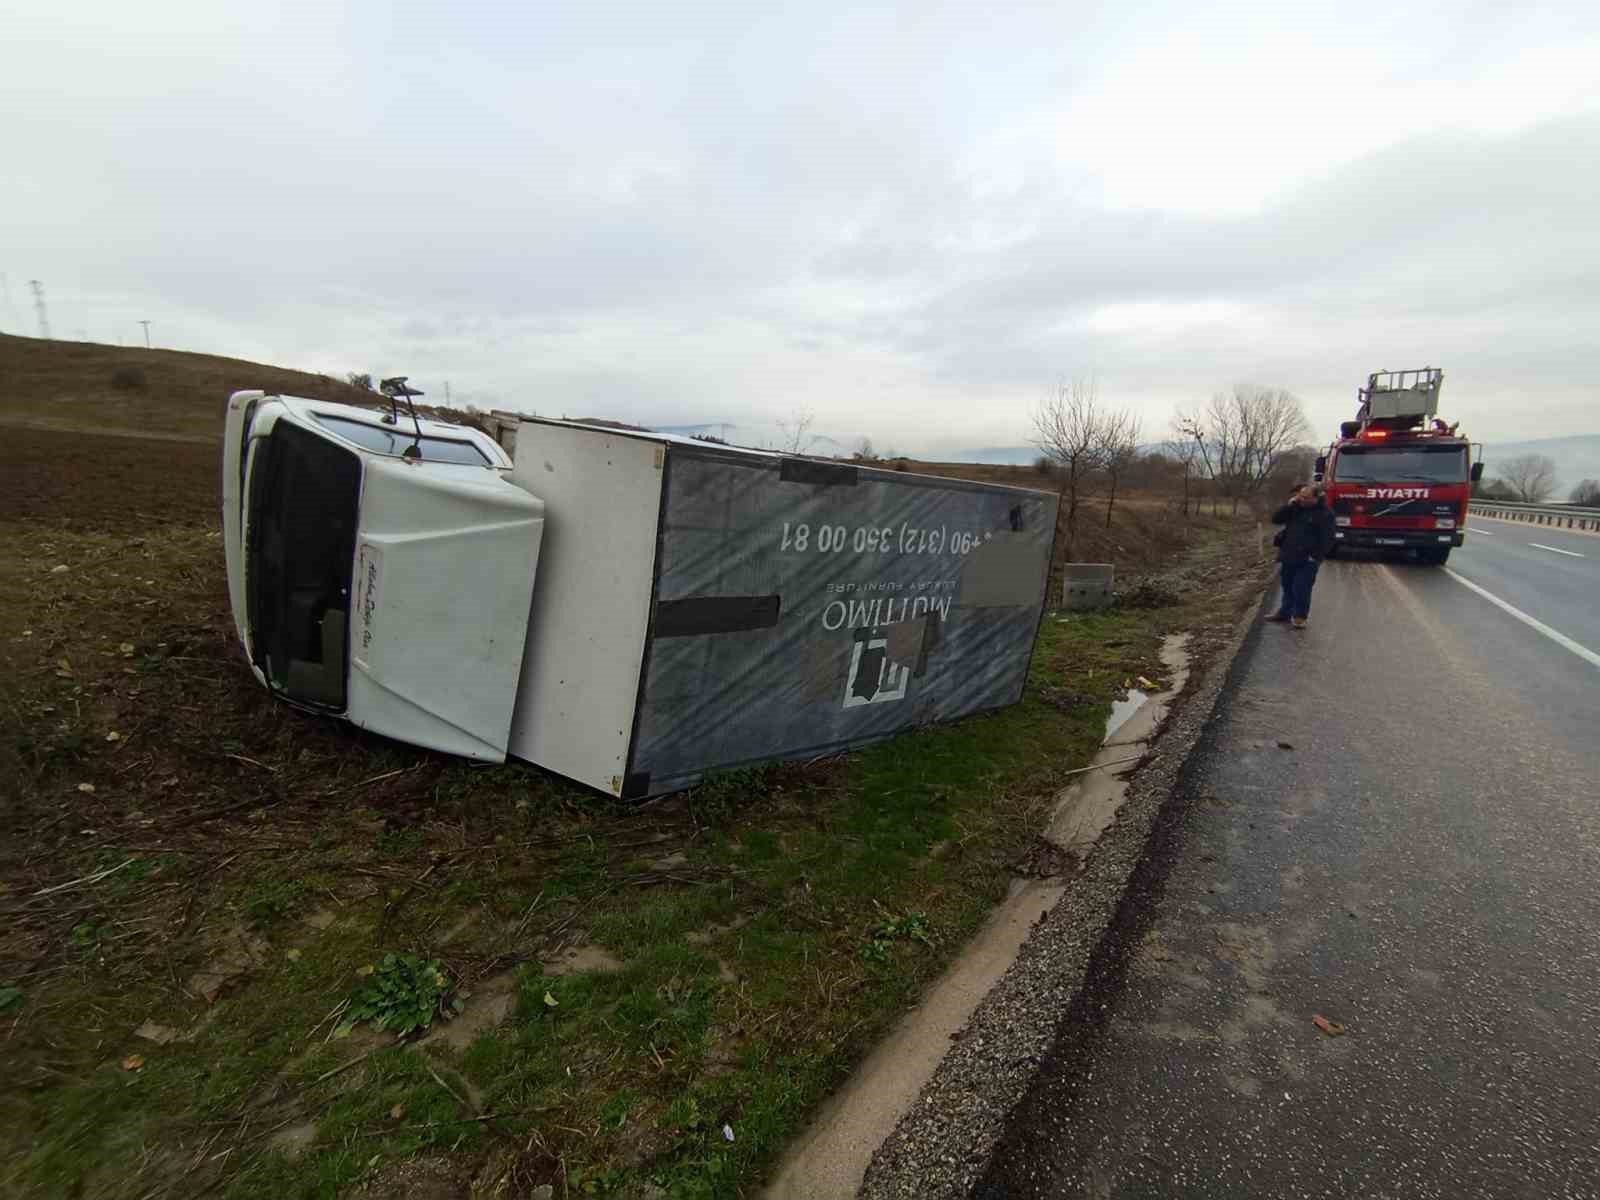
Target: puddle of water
x=1121 y=710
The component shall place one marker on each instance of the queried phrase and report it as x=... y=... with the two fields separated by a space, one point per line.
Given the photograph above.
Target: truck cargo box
x=701 y=607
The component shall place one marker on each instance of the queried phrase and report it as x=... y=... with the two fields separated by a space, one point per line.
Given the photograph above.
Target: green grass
x=846 y=897
x=803 y=911
x=401 y=1106
x=269 y=901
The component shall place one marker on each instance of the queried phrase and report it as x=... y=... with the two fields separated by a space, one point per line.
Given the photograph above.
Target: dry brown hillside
x=76 y=384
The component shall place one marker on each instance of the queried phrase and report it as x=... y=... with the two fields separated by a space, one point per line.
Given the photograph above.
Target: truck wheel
x=1333 y=551
x=1436 y=558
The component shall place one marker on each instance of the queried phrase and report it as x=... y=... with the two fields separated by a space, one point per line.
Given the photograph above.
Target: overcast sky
x=911 y=219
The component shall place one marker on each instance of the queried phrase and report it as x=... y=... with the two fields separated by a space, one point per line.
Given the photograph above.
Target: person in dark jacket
x=1305 y=541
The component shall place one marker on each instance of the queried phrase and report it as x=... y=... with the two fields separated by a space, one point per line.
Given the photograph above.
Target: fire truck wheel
x=1436 y=558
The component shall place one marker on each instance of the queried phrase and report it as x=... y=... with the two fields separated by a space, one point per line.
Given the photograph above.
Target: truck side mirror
x=1321 y=467
x=1477 y=471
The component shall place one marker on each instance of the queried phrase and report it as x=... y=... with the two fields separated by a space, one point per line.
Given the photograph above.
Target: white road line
x=1560 y=639
x=1475 y=529
x=1555 y=550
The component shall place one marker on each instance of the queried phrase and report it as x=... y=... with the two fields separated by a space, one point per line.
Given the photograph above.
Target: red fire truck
x=1399 y=478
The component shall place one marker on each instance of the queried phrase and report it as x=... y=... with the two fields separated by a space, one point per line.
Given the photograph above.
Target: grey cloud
x=686 y=214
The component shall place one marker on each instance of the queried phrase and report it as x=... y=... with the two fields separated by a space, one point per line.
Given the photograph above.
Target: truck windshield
x=396 y=440
x=301 y=547
x=1381 y=464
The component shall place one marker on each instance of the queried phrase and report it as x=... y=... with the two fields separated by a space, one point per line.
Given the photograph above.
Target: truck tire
x=1435 y=558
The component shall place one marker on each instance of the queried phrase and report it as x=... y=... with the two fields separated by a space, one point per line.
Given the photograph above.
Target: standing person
x=1305 y=541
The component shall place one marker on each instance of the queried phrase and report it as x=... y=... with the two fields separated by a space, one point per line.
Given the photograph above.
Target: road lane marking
x=1560 y=639
x=1555 y=550
x=1475 y=529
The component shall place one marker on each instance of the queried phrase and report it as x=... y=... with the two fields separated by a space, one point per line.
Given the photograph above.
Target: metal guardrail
x=1555 y=516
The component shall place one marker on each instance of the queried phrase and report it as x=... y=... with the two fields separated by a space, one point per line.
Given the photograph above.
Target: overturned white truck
x=628 y=609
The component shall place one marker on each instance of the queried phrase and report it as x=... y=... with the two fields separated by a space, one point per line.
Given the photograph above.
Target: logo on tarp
x=874 y=678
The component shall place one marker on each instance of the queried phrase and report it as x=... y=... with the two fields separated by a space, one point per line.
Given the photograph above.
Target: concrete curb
x=941 y=1148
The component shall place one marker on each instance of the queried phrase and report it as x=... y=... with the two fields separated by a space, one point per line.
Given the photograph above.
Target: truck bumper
x=1397 y=539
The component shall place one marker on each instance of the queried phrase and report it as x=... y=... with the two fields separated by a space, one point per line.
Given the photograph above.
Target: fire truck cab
x=1398 y=478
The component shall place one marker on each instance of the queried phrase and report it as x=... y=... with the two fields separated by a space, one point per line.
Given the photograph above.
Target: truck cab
x=1406 y=492
x=1399 y=479
x=380 y=567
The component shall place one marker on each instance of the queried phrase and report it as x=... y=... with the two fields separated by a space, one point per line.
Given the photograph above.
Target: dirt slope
x=117 y=387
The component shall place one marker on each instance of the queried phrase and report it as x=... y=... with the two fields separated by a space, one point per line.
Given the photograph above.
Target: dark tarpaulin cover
x=803 y=611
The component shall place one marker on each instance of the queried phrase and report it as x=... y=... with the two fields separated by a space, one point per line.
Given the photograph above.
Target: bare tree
x=1294 y=467
x=1586 y=494
x=1212 y=431
x=1184 y=449
x=1119 y=448
x=797 y=435
x=359 y=379
x=1531 y=476
x=863 y=451
x=1072 y=429
x=1273 y=424
x=1240 y=436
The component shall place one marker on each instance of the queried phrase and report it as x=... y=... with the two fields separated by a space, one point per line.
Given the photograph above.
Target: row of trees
x=1242 y=442
x=1238 y=440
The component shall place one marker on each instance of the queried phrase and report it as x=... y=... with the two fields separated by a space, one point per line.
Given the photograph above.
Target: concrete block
x=1087 y=585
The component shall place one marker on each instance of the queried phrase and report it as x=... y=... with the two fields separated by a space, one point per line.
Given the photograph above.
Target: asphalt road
x=1552 y=576
x=1394 y=823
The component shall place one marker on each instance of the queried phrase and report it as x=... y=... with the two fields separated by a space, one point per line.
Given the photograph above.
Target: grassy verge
x=651 y=998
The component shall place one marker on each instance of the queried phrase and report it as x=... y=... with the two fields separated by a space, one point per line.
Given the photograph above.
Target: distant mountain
x=996 y=455
x=605 y=424
x=1576 y=458
x=1011 y=456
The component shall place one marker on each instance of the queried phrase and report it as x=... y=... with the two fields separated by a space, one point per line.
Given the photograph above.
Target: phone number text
x=876 y=539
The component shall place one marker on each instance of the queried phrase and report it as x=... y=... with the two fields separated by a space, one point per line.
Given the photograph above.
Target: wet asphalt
x=1553 y=575
x=1393 y=823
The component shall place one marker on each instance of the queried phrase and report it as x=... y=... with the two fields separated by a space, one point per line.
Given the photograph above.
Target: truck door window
x=304 y=493
x=1385 y=464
